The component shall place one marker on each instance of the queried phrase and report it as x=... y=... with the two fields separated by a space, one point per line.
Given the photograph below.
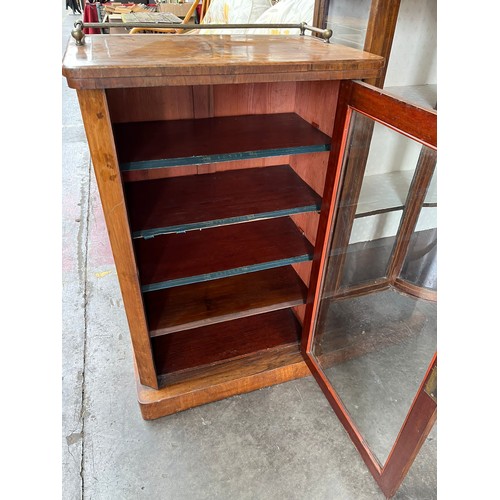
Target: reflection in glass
x=373 y=339
x=420 y=266
x=348 y=19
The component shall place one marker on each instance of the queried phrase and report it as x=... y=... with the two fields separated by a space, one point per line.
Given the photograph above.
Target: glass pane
x=373 y=339
x=420 y=266
x=348 y=19
x=377 y=181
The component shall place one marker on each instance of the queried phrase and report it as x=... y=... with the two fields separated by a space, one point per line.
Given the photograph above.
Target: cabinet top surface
x=107 y=61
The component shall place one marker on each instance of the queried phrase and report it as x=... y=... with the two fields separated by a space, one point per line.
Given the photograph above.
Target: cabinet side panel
x=97 y=124
x=316 y=103
x=242 y=164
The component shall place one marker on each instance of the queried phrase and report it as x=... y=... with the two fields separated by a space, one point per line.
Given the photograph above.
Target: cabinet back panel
x=253 y=98
x=154 y=103
x=200 y=101
x=209 y=168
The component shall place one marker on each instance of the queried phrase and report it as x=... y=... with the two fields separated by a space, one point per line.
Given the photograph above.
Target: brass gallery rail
x=79 y=35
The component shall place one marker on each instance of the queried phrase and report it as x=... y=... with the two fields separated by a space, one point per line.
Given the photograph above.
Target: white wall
x=413 y=57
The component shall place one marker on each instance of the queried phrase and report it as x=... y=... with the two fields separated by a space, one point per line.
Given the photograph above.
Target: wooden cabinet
x=219 y=166
x=211 y=155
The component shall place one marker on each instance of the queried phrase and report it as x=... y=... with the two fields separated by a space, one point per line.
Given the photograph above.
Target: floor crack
x=83 y=245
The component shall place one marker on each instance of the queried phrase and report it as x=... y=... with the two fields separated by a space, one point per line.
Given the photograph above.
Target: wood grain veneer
x=109 y=61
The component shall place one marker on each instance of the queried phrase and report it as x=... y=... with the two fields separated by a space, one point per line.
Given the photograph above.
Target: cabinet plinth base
x=183 y=390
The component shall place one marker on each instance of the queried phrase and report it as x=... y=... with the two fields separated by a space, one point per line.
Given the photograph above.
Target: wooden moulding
x=415 y=290
x=110 y=61
x=192 y=388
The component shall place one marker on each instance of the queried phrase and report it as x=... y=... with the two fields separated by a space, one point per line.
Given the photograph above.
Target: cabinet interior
x=223 y=186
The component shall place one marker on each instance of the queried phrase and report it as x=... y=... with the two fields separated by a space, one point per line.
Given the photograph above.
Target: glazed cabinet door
x=370 y=326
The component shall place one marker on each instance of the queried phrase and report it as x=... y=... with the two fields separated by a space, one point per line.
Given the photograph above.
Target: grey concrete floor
x=282 y=442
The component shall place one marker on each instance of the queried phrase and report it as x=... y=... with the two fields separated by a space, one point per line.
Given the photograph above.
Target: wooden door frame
x=419 y=124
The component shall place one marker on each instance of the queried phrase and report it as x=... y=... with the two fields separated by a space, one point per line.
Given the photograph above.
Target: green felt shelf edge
x=183 y=228
x=225 y=274
x=218 y=158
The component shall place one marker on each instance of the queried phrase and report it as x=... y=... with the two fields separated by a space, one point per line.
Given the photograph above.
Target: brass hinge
x=431 y=385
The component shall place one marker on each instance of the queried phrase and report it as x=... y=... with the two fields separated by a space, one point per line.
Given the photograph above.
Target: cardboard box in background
x=178 y=9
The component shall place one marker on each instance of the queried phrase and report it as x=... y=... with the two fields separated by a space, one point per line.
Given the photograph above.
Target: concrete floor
x=282 y=442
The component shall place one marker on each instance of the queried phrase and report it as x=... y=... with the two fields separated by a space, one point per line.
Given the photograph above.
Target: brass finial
x=78 y=33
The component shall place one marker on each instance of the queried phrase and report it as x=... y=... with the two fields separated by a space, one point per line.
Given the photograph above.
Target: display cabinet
x=211 y=154
x=220 y=167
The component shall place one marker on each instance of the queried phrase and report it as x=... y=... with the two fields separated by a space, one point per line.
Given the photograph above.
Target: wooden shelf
x=180 y=204
x=158 y=144
x=217 y=343
x=181 y=259
x=191 y=306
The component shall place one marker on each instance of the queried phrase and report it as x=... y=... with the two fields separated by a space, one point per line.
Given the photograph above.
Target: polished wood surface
x=211 y=253
x=208 y=140
x=107 y=61
x=409 y=119
x=100 y=139
x=199 y=304
x=215 y=343
x=320 y=13
x=203 y=201
x=180 y=391
x=415 y=290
